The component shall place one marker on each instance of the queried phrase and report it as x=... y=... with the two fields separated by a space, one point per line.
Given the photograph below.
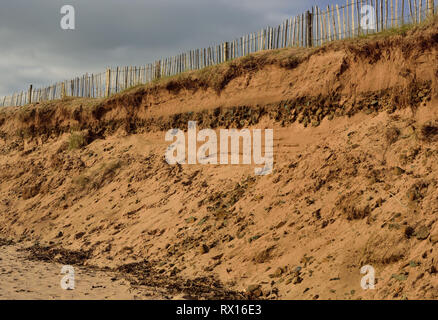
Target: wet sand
x=22 y=279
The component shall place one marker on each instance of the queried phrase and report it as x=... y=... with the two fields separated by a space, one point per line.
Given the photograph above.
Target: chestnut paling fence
x=314 y=28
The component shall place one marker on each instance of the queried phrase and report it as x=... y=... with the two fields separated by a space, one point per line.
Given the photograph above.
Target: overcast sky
x=35 y=50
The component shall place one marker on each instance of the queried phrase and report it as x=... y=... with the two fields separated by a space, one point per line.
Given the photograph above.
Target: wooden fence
x=314 y=28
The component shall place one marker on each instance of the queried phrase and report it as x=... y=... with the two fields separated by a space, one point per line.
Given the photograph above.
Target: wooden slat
x=378 y=13
x=411 y=12
x=343 y=24
x=329 y=24
x=430 y=8
x=402 y=12
x=352 y=18
x=324 y=23
x=335 y=37
x=392 y=14
x=415 y=11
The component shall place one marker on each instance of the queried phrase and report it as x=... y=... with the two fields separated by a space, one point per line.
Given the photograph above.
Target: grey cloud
x=34 y=49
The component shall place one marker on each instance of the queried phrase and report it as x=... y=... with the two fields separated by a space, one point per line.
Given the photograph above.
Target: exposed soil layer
x=382 y=73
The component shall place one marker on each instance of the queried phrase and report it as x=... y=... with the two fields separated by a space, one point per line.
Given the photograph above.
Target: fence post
x=431 y=9
x=117 y=79
x=339 y=23
x=30 y=94
x=158 y=69
x=358 y=9
x=403 y=12
x=410 y=11
x=328 y=25
x=335 y=36
x=108 y=83
x=226 y=51
x=309 y=29
x=416 y=11
x=63 y=90
x=392 y=14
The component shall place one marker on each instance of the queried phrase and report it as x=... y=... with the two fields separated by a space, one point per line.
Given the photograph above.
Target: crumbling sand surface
x=354 y=182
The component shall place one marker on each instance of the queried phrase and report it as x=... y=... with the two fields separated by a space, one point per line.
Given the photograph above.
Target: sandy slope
x=355 y=132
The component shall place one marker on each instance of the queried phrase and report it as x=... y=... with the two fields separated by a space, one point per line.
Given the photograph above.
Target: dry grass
x=429 y=132
x=76 y=141
x=96 y=178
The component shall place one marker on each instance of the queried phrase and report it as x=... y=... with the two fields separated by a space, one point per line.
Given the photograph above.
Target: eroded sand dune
x=354 y=182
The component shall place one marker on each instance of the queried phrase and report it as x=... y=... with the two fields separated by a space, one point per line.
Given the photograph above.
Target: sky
x=34 y=49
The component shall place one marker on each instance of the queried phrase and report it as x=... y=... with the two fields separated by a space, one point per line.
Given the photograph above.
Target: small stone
x=315 y=123
x=298 y=279
x=79 y=235
x=204 y=249
x=412 y=195
x=254 y=238
x=252 y=287
x=409 y=231
x=400 y=277
x=263 y=256
x=413 y=264
x=394 y=226
x=422 y=233
x=398 y=171
x=409 y=131
x=305 y=122
x=190 y=220
x=434 y=238
x=317 y=214
x=218 y=257
x=257 y=293
x=379 y=203
x=297 y=269
x=278 y=273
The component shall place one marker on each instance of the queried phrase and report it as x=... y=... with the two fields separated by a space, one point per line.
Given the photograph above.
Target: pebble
x=422 y=233
x=204 y=249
